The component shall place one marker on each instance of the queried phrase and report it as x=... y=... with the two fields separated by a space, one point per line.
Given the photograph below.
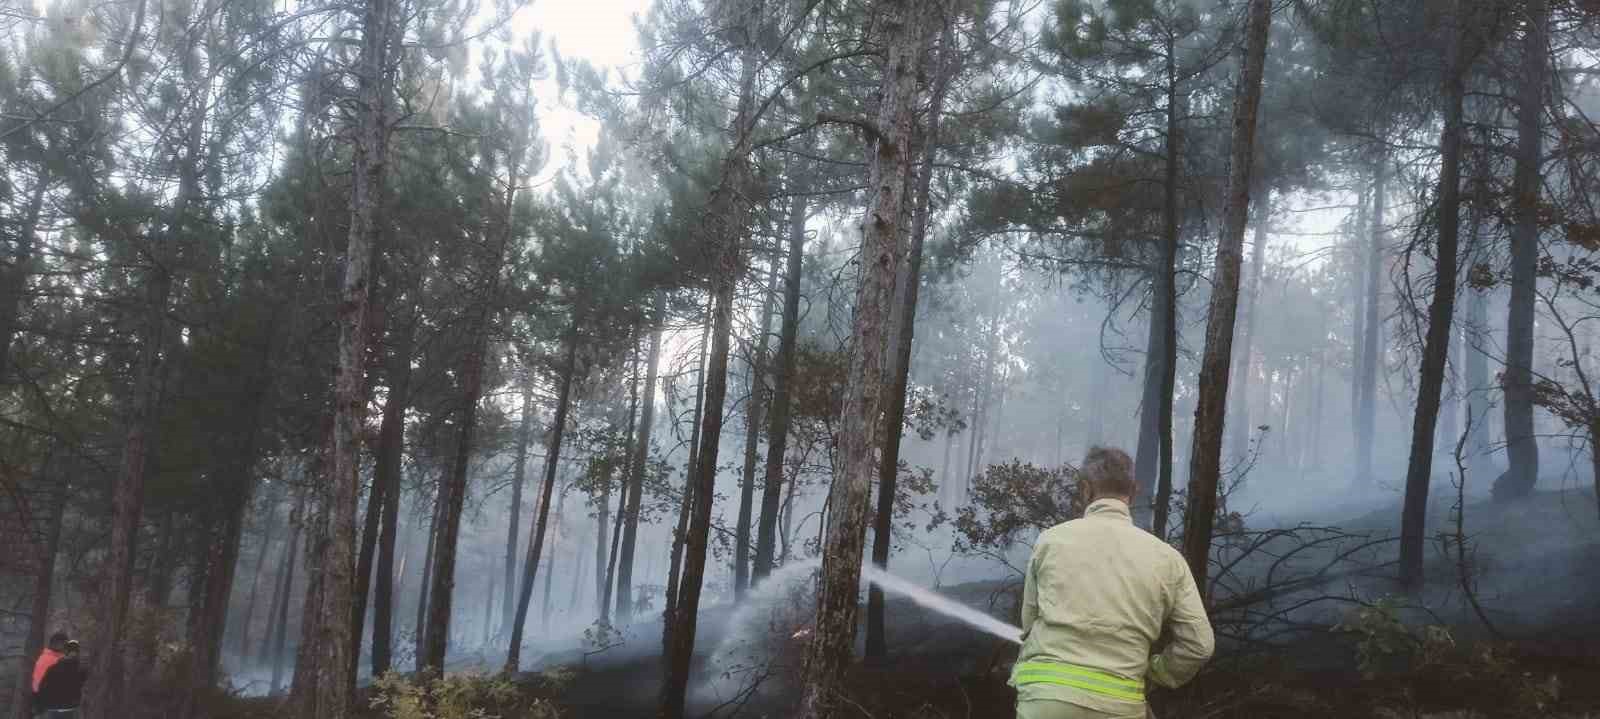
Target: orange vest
x=47 y=659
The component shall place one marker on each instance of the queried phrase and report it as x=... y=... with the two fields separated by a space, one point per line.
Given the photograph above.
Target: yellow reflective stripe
x=1071 y=675
x=1080 y=671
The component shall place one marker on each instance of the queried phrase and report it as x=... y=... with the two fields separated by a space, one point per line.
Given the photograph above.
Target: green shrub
x=461 y=696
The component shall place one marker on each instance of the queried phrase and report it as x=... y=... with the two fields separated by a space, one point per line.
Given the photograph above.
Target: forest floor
x=1540 y=577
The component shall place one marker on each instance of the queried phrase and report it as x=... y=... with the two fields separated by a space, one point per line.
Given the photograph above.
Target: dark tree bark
x=104 y=695
x=425 y=586
x=391 y=451
x=902 y=29
x=518 y=478
x=1211 y=409
x=686 y=506
x=530 y=571
x=1436 y=345
x=371 y=528
x=903 y=324
x=1153 y=460
x=1367 y=411
x=602 y=521
x=454 y=491
x=640 y=465
x=1522 y=449
x=277 y=636
x=752 y=435
x=727 y=221
x=328 y=693
x=778 y=412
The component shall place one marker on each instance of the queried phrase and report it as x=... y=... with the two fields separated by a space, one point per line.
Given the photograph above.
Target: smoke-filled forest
x=436 y=359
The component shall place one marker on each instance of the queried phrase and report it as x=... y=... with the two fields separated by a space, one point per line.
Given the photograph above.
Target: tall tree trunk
x=1153 y=460
x=1522 y=449
x=1242 y=375
x=127 y=498
x=14 y=277
x=1211 y=409
x=904 y=324
x=329 y=691
x=530 y=571
x=519 y=477
x=278 y=640
x=602 y=522
x=455 y=490
x=902 y=29
x=680 y=534
x=209 y=617
x=752 y=435
x=778 y=411
x=550 y=564
x=727 y=220
x=1367 y=412
x=376 y=500
x=419 y=641
x=611 y=556
x=391 y=452
x=1436 y=345
x=640 y=465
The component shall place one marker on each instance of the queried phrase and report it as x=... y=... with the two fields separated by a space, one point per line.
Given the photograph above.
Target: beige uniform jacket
x=1099 y=593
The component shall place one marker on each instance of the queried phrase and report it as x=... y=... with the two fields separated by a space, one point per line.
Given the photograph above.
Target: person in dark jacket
x=61 y=690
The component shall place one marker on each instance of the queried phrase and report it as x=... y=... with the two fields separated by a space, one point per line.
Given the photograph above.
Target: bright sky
x=599 y=31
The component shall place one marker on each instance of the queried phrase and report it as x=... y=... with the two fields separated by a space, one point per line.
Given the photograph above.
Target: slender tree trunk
x=686 y=506
x=371 y=528
x=1243 y=376
x=455 y=490
x=425 y=586
x=1368 y=411
x=391 y=452
x=778 y=412
x=611 y=557
x=279 y=639
x=550 y=564
x=1210 y=411
x=518 y=478
x=752 y=435
x=530 y=572
x=1153 y=461
x=1436 y=346
x=329 y=691
x=727 y=221
x=902 y=29
x=1522 y=449
x=602 y=522
x=907 y=287
x=127 y=498
x=640 y=460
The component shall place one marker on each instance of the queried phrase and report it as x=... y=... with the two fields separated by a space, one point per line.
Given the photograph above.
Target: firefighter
x=1099 y=594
